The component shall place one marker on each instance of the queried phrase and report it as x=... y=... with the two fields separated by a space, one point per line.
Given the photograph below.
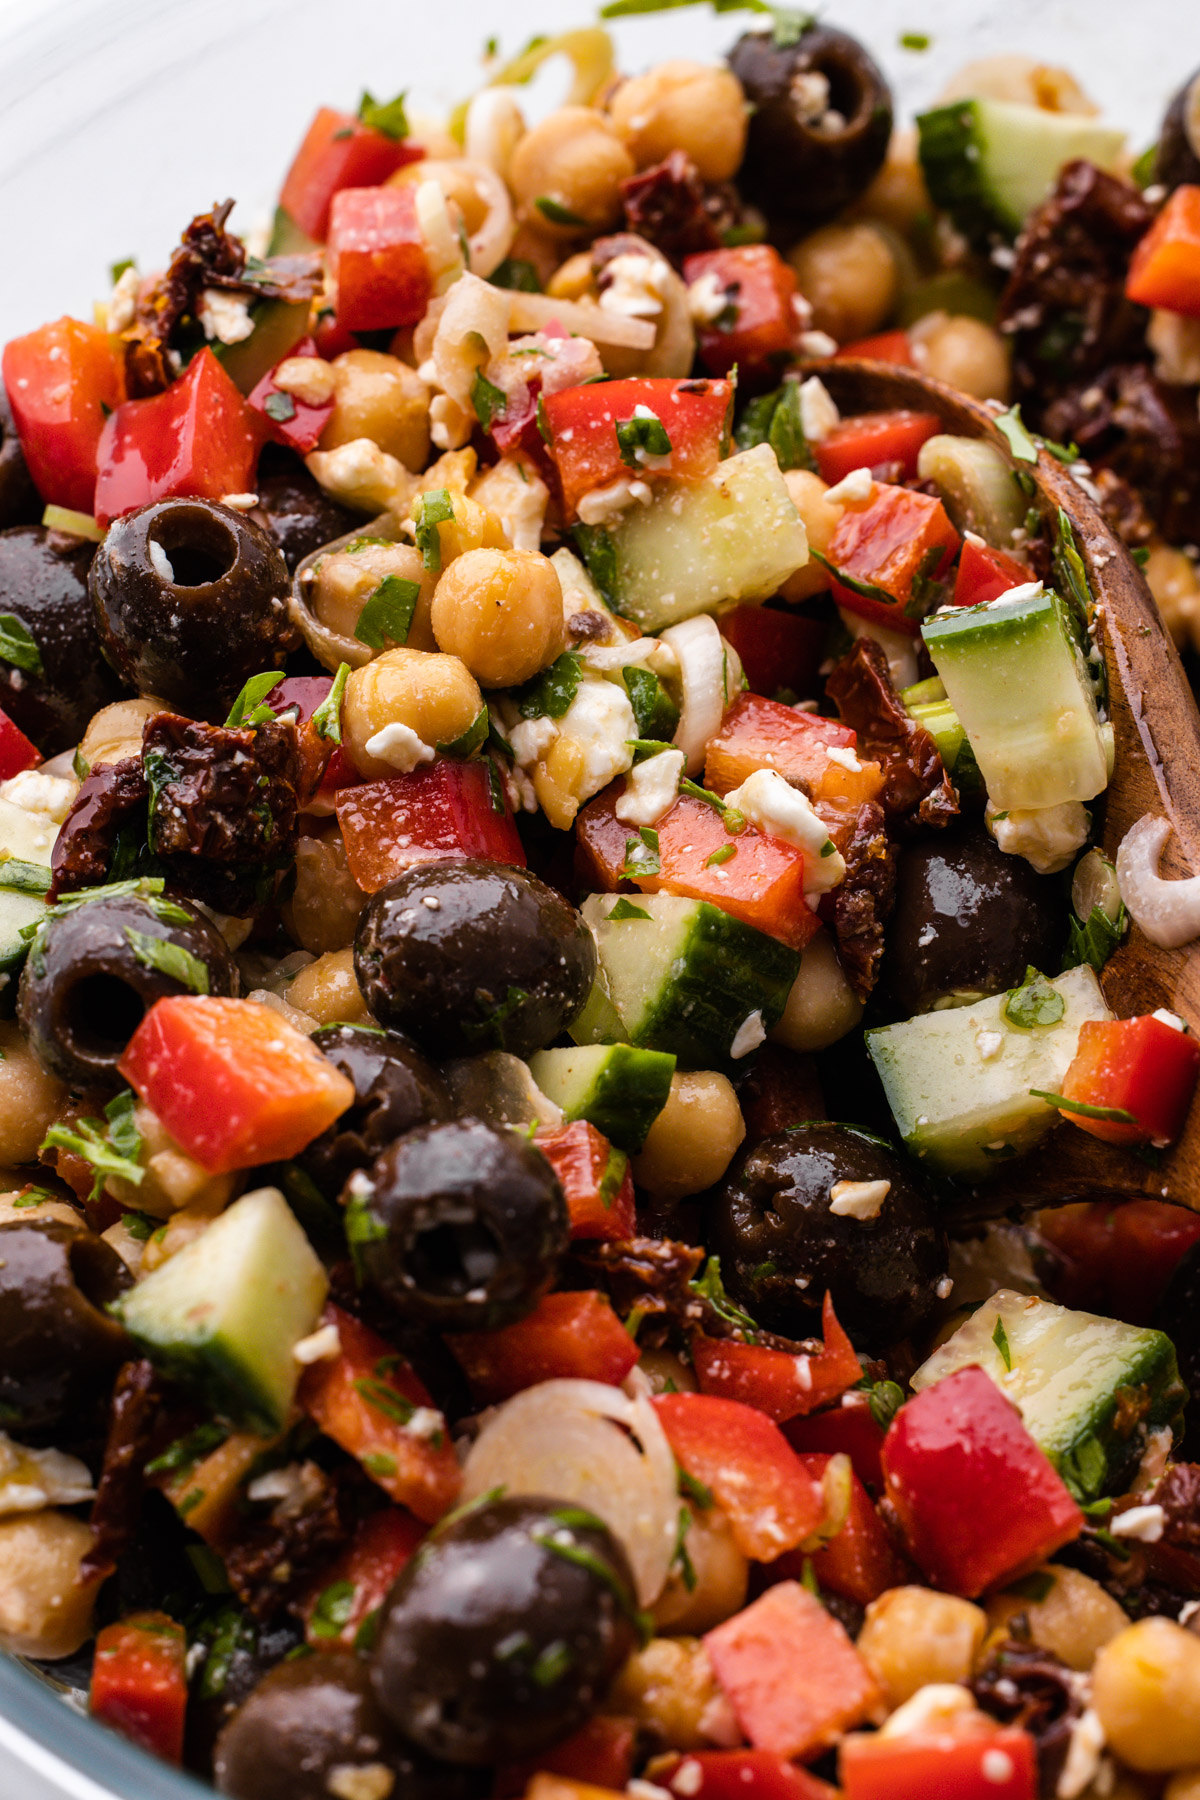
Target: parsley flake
x=1012 y=426
x=1000 y=1339
x=641 y=436
x=490 y=402
x=389 y=116
x=388 y=613
x=248 y=708
x=17 y=647
x=1034 y=1003
x=641 y=854
x=625 y=909
x=436 y=508
x=1115 y=1115
x=327 y=720
x=169 y=959
x=558 y=214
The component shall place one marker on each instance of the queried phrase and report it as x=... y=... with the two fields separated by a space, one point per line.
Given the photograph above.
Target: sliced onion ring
x=709 y=676
x=492 y=242
x=530 y=312
x=1168 y=912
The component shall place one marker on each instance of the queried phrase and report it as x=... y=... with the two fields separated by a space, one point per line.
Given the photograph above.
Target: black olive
x=300 y=516
x=811 y=148
x=781 y=1246
x=1178 y=1314
x=968 y=921
x=191 y=600
x=471 y=956
x=44 y=585
x=395 y=1090
x=459 y=1225
x=57 y=1343
x=97 y=967
x=1178 y=158
x=20 y=502
x=503 y=1633
x=311 y=1717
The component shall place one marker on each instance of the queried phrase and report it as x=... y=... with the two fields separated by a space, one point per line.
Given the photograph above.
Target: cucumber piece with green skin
x=691 y=980
x=1015 y=675
x=19 y=908
x=944 y=726
x=278 y=327
x=958 y=1081
x=977 y=484
x=617 y=1088
x=599 y=1022
x=990 y=163
x=224 y=1316
x=1091 y=1390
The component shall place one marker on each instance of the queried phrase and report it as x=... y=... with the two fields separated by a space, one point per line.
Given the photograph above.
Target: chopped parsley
x=248 y=708
x=641 y=854
x=327 y=720
x=333 y=1610
x=490 y=402
x=1095 y=941
x=388 y=116
x=1000 y=1339
x=867 y=590
x=709 y=1286
x=625 y=909
x=722 y=854
x=112 y=1145
x=385 y=1399
x=549 y=694
x=915 y=40
x=656 y=713
x=169 y=959
x=18 y=647
x=436 y=509
x=641 y=436
x=182 y=1456
x=557 y=214
x=774 y=419
x=1012 y=426
x=388 y=614
x=886 y=1399
x=1115 y=1115
x=1034 y=1003
x=517 y=274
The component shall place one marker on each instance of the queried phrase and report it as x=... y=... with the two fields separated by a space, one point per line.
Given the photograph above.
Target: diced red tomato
x=1117 y=1259
x=984 y=574
x=600 y=1753
x=872 y=440
x=338 y=151
x=198 y=438
x=860 y=1561
x=894 y=537
x=772 y=1502
x=445 y=809
x=953 y=1765
x=139 y=1682
x=233 y=1083
x=790 y=1672
x=738 y=1775
x=377 y=258
x=583 y=421
x=1165 y=270
x=979 y=1502
x=777 y=1383
x=763 y=734
x=62 y=381
x=289 y=419
x=595 y=1178
x=777 y=649
x=885 y=346
x=364 y=1399
x=357 y=1583
x=848 y=1429
x=575 y=1334
x=1143 y=1068
x=758 y=328
x=16 y=751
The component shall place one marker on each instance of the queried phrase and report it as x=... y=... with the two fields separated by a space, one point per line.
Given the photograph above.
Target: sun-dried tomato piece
x=111 y=801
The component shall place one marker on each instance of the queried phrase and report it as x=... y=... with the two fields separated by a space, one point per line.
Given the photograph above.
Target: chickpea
x=898 y=196
x=1073 y=1622
x=720 y=1574
x=669 y=1686
x=381 y=398
x=346 y=579
x=1172 y=579
x=473 y=527
x=328 y=991
x=820 y=518
x=559 y=780
x=848 y=274
x=1146 y=1693
x=322 y=914
x=964 y=353
x=500 y=611
x=1184 y=1786
x=115 y=732
x=692 y=1141
x=575 y=160
x=45 y=1609
x=822 y=1006
x=434 y=696
x=698 y=108
x=30 y=1099
x=912 y=1637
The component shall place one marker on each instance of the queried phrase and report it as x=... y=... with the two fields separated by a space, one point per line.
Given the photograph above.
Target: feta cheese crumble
x=782 y=811
x=399 y=746
x=651 y=788
x=858 y=1199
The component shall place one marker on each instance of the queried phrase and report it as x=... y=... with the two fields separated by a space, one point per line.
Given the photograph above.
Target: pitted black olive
x=300 y=516
x=881 y=1254
x=20 y=502
x=62 y=679
x=471 y=956
x=58 y=1346
x=95 y=968
x=1178 y=159
x=191 y=600
x=460 y=1225
x=820 y=121
x=503 y=1634
x=395 y=1090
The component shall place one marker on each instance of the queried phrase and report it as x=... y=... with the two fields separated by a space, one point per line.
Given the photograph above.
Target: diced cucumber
x=958 y=1081
x=1090 y=1390
x=977 y=484
x=26 y=837
x=287 y=239
x=926 y=702
x=225 y=1314
x=619 y=1089
x=278 y=326
x=1016 y=677
x=599 y=1022
x=989 y=163
x=19 y=907
x=690 y=979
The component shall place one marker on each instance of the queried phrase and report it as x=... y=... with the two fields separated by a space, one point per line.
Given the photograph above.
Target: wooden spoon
x=1157 y=771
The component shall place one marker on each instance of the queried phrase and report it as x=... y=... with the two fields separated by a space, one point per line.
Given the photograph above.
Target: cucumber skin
x=696 y=1018
x=220 y=1381
x=954 y=178
x=1157 y=1376
x=625 y=1096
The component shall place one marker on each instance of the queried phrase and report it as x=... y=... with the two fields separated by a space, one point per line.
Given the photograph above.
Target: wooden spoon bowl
x=1157 y=730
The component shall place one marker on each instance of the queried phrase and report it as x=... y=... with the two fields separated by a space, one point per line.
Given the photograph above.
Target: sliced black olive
x=458 y=1225
x=191 y=600
x=781 y=1243
x=20 y=502
x=97 y=967
x=299 y=514
x=470 y=956
x=57 y=1343
x=1178 y=159
x=395 y=1090
x=968 y=921
x=820 y=121
x=62 y=678
x=502 y=1635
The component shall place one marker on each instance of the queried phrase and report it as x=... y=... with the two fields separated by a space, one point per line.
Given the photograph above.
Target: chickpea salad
x=548 y=865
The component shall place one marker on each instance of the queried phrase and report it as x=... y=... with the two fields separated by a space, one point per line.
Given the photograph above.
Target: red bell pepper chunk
x=600 y=1753
x=366 y=1399
x=1143 y=1068
x=978 y=1502
x=338 y=151
x=738 y=1775
x=777 y=649
x=790 y=1672
x=885 y=346
x=16 y=751
x=289 y=419
x=954 y=1765
x=377 y=258
x=572 y=1335
x=758 y=328
x=583 y=421
x=443 y=810
x=331 y=338
x=139 y=1682
x=1116 y=1260
x=772 y=1502
x=595 y=1177
x=763 y=734
x=198 y=438
x=62 y=381
x=873 y=440
x=886 y=543
x=984 y=574
x=1165 y=269
x=860 y=1561
x=776 y=1382
x=233 y=1083
x=848 y=1429
x=353 y=1588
